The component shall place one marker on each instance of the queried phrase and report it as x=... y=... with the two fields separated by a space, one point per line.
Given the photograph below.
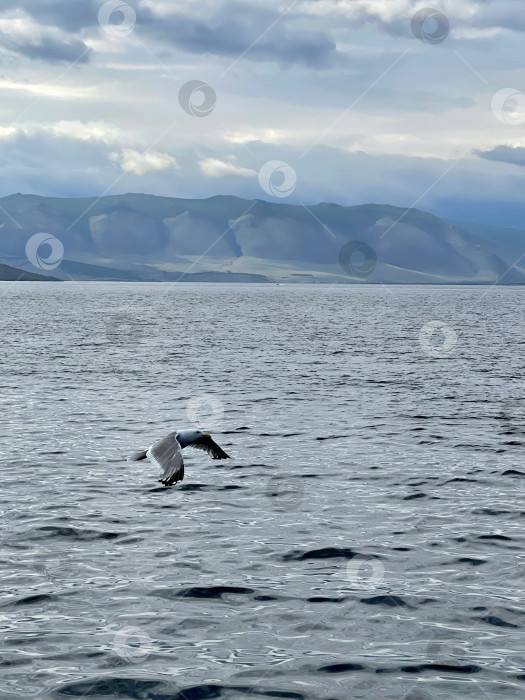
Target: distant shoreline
x=268 y=283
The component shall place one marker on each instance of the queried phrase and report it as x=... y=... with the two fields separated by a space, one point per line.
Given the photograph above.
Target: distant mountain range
x=224 y=238
x=13 y=274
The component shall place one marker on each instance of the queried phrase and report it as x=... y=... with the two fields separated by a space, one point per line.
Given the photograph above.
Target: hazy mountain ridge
x=136 y=236
x=13 y=274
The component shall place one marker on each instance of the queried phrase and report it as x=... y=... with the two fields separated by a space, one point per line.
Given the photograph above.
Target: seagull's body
x=167 y=453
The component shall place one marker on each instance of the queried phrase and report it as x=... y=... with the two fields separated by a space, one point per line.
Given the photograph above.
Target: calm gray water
x=366 y=540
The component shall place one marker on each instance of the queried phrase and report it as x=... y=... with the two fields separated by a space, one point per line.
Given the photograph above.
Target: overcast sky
x=365 y=102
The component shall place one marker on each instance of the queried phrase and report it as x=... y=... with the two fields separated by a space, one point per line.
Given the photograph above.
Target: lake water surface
x=365 y=540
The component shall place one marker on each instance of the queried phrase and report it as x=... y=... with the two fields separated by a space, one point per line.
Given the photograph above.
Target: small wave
x=74 y=533
x=392 y=601
x=122 y=687
x=325 y=553
x=202 y=592
x=341 y=668
x=332 y=437
x=471 y=561
x=447 y=668
x=497 y=621
x=34 y=599
x=459 y=479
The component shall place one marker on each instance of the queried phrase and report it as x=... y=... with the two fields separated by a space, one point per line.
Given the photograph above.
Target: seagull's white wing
x=167 y=455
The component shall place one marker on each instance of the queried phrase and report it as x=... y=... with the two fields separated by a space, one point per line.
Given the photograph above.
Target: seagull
x=167 y=453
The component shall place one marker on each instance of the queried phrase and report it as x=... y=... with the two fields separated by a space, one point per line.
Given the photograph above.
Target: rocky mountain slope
x=143 y=237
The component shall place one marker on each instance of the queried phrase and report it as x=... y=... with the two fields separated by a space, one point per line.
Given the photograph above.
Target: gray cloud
x=70 y=15
x=507 y=14
x=37 y=32
x=233 y=28
x=47 y=48
x=74 y=15
x=473 y=14
x=505 y=154
x=302 y=36
x=227 y=29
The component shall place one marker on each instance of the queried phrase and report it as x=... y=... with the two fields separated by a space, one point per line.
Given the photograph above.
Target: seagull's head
x=188 y=437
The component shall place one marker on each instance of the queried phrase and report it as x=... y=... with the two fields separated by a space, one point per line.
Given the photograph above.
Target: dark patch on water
x=447 y=668
x=332 y=437
x=141 y=689
x=203 y=592
x=324 y=553
x=496 y=621
x=49 y=531
x=391 y=601
x=340 y=668
x=472 y=562
x=34 y=599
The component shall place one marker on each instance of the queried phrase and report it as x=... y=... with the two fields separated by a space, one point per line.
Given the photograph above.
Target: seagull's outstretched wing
x=167 y=455
x=206 y=444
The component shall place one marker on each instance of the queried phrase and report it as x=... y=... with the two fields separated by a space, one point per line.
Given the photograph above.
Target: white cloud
x=265 y=136
x=213 y=167
x=475 y=33
x=86 y=131
x=140 y=163
x=54 y=90
x=386 y=10
x=79 y=131
x=7 y=132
